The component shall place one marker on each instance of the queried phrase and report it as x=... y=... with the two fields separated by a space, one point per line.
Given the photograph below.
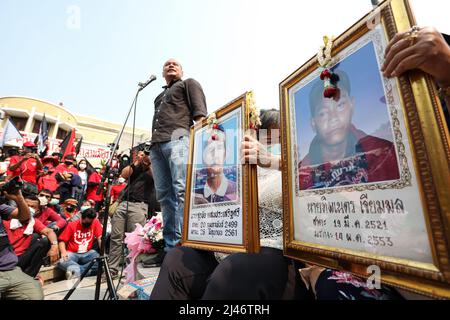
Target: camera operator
x=132 y=210
x=14 y=284
x=26 y=165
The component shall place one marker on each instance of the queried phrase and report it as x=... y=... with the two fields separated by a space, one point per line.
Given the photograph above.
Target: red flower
x=329 y=92
x=215 y=126
x=325 y=74
x=214 y=137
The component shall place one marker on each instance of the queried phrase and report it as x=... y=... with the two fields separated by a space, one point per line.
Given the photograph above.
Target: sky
x=91 y=54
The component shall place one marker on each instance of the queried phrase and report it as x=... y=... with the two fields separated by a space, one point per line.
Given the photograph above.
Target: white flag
x=10 y=132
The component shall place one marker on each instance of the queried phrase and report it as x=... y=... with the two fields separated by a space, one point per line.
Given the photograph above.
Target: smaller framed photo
x=221 y=193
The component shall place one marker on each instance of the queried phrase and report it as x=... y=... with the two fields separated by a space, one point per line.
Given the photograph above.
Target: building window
x=61 y=134
x=37 y=126
x=19 y=123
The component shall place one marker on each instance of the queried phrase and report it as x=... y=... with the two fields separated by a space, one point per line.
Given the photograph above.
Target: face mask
x=43 y=201
x=32 y=212
x=83 y=208
x=54 y=202
x=82 y=166
x=121 y=180
x=274 y=149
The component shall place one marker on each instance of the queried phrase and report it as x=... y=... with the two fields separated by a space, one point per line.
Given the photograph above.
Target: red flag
x=67 y=146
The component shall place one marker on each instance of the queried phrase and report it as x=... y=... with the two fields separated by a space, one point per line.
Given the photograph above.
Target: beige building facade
x=27 y=114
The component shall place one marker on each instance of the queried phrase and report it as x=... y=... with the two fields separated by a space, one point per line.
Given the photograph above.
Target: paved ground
x=86 y=289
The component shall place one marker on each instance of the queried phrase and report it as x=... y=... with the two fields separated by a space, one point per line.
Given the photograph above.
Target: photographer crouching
x=135 y=202
x=14 y=284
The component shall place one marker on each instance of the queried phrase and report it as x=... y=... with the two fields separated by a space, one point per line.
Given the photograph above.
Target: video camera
x=12 y=185
x=145 y=147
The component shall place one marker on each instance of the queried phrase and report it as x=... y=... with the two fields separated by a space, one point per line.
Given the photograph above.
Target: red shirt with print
x=27 y=170
x=21 y=242
x=79 y=239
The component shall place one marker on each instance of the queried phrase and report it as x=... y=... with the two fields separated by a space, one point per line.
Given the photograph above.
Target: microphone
x=142 y=85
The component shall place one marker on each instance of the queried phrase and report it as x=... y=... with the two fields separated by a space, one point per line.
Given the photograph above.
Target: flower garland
x=253 y=110
x=324 y=54
x=213 y=125
x=144 y=239
x=325 y=61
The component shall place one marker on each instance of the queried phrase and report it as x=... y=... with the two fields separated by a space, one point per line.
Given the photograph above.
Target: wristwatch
x=54 y=242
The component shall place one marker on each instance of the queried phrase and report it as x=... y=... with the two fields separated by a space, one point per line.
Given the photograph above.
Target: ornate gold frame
x=249 y=187
x=429 y=143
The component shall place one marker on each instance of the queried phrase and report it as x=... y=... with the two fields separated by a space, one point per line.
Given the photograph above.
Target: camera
x=124 y=161
x=146 y=148
x=113 y=174
x=12 y=185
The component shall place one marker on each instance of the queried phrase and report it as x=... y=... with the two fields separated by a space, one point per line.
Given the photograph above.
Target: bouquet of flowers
x=145 y=239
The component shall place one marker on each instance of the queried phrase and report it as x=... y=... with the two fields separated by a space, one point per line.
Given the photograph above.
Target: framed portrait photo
x=221 y=193
x=366 y=162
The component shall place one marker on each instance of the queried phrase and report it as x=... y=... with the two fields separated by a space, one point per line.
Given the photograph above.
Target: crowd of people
x=59 y=204
x=54 y=216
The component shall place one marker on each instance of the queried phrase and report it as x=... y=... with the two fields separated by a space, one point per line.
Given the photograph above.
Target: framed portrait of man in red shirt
x=363 y=156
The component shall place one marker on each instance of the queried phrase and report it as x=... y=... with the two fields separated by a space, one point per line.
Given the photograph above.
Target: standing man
x=176 y=108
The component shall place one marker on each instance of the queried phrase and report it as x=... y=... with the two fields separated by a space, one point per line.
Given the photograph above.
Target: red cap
x=29 y=144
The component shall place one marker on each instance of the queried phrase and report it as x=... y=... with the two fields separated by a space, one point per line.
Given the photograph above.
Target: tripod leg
x=112 y=290
x=79 y=280
x=99 y=278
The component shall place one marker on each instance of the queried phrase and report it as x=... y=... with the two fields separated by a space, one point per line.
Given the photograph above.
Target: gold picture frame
x=225 y=223
x=398 y=223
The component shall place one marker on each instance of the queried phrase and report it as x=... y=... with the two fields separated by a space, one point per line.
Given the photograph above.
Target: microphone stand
x=103 y=259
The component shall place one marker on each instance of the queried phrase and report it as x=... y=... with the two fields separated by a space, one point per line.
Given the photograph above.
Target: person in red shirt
x=117 y=189
x=67 y=176
x=47 y=215
x=31 y=252
x=67 y=167
x=27 y=165
x=47 y=178
x=94 y=180
x=70 y=210
x=75 y=245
